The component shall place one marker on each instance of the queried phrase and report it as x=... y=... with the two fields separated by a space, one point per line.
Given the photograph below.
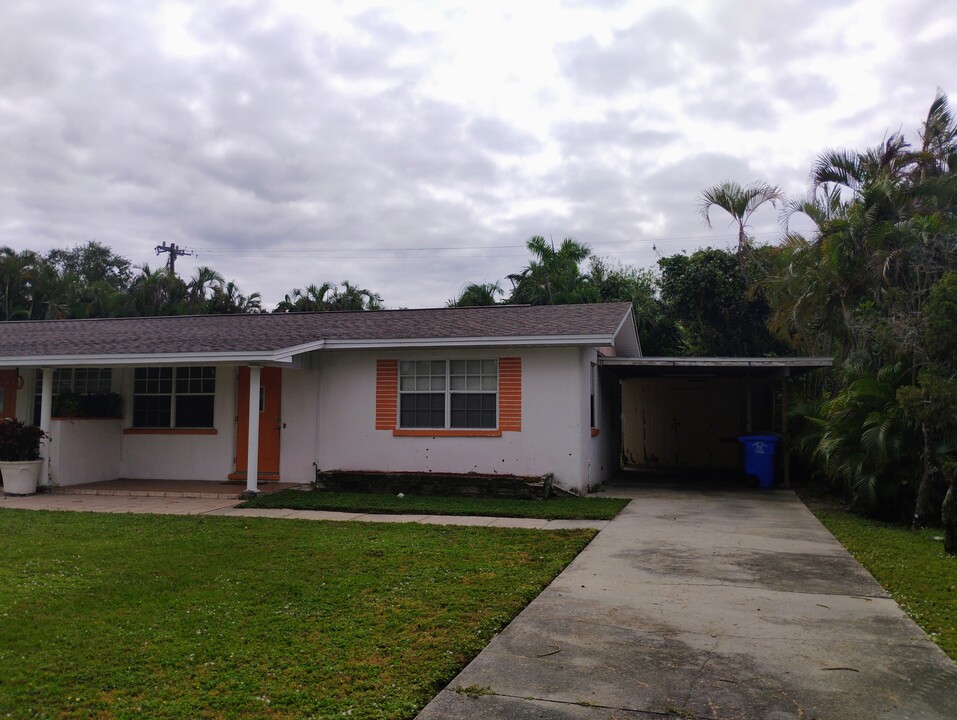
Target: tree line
x=874 y=285
x=91 y=281
x=683 y=307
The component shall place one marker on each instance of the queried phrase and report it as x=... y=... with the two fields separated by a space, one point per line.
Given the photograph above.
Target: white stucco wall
x=300 y=424
x=84 y=450
x=328 y=418
x=600 y=456
x=554 y=420
x=183 y=457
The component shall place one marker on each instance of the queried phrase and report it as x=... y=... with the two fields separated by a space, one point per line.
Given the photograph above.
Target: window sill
x=445 y=433
x=170 y=431
x=71 y=418
x=594 y=432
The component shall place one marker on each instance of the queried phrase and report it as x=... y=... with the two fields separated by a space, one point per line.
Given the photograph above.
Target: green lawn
x=552 y=509
x=912 y=566
x=121 y=616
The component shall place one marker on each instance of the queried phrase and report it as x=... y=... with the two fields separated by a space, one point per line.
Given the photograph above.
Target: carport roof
x=780 y=367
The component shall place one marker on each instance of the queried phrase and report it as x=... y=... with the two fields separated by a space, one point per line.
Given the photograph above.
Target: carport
x=687 y=412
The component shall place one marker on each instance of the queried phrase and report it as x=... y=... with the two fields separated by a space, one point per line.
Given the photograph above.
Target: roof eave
x=200 y=358
x=646 y=360
x=516 y=341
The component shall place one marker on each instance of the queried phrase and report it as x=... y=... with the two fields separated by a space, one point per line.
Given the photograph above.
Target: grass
x=121 y=616
x=912 y=567
x=552 y=509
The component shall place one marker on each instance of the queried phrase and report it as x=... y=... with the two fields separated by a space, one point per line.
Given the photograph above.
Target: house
x=504 y=389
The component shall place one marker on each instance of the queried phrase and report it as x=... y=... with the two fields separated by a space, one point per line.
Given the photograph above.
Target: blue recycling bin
x=759 y=457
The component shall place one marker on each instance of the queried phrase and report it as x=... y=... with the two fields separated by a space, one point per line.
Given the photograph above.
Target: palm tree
x=861 y=287
x=553 y=276
x=14 y=290
x=353 y=297
x=156 y=292
x=226 y=299
x=202 y=287
x=312 y=299
x=476 y=295
x=740 y=203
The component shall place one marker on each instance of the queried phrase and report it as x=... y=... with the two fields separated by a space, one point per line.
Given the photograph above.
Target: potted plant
x=20 y=462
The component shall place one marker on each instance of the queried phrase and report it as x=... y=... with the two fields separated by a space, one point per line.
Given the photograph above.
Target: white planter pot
x=20 y=478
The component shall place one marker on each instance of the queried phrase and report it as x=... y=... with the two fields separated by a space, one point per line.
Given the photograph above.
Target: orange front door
x=9 y=379
x=270 y=422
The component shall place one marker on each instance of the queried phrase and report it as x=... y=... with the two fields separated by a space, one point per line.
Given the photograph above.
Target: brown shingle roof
x=249 y=334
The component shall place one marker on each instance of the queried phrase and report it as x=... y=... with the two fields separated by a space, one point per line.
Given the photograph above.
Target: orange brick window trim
x=510 y=394
x=386 y=394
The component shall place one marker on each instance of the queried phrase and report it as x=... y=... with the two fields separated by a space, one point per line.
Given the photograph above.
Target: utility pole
x=174 y=251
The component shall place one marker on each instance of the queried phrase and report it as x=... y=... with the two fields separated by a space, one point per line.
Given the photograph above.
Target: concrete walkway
x=708 y=605
x=220 y=506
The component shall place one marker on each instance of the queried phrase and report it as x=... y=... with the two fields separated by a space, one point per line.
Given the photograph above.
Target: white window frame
x=172 y=395
x=448 y=391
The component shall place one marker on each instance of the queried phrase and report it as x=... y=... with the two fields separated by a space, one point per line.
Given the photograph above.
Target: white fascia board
x=632 y=326
x=286 y=354
x=472 y=342
x=206 y=358
x=652 y=361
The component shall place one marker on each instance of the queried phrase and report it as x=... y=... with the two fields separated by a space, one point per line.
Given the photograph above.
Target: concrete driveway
x=700 y=604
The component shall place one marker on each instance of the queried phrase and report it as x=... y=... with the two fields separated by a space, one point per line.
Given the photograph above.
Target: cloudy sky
x=411 y=147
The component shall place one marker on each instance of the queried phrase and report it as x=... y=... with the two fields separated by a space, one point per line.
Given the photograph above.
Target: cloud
x=296 y=144
x=614 y=132
x=656 y=51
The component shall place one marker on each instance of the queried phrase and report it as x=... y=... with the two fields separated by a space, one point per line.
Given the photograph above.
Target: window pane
x=473 y=410
x=194 y=411
x=406 y=368
x=490 y=367
x=422 y=410
x=407 y=383
x=474 y=367
x=438 y=367
x=422 y=368
x=457 y=382
x=489 y=383
x=438 y=383
x=151 y=411
x=457 y=367
x=473 y=382
x=154 y=392
x=195 y=380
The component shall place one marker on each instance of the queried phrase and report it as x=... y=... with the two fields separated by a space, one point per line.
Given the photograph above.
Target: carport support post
x=747 y=392
x=46 y=414
x=785 y=455
x=252 y=452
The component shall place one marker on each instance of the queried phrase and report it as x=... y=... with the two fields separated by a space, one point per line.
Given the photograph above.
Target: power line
x=394 y=252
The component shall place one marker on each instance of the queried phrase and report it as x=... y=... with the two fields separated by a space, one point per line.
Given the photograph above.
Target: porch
x=128 y=487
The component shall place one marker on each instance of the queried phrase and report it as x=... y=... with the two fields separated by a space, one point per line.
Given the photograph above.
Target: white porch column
x=46 y=413
x=252 y=452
